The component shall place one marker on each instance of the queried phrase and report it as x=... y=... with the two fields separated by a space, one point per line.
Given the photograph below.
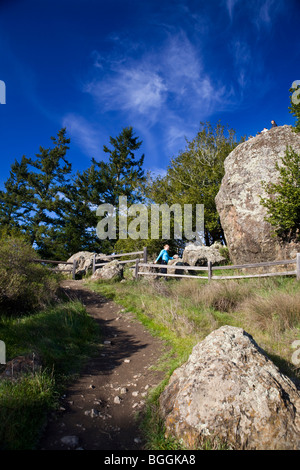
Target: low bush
x=25 y=285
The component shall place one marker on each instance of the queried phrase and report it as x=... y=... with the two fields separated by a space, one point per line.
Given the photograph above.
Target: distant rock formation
x=229 y=392
x=248 y=235
x=84 y=262
x=199 y=255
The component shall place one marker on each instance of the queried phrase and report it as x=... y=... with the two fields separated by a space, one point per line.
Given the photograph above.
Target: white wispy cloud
x=83 y=134
x=167 y=86
x=230 y=4
x=266 y=11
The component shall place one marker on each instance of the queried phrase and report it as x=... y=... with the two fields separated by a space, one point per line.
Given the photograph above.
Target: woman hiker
x=165 y=257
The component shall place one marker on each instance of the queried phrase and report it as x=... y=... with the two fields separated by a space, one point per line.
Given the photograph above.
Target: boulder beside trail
x=84 y=262
x=199 y=255
x=109 y=271
x=230 y=392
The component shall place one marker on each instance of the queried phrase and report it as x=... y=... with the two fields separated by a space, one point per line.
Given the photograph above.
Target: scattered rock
x=70 y=441
x=229 y=390
x=21 y=365
x=94 y=413
x=117 y=400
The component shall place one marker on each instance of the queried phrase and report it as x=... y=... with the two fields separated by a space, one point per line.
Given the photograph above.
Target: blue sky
x=160 y=66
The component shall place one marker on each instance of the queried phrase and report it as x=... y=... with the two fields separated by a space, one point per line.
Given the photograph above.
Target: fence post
x=94 y=262
x=209 y=264
x=137 y=261
x=298 y=266
x=74 y=269
x=145 y=254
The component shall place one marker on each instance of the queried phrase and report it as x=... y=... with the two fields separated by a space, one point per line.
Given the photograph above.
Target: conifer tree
x=35 y=195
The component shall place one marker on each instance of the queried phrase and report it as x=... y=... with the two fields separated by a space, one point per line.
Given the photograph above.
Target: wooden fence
x=133 y=253
x=209 y=269
x=96 y=265
x=141 y=263
x=47 y=261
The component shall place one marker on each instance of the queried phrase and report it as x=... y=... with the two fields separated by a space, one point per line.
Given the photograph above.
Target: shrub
x=24 y=285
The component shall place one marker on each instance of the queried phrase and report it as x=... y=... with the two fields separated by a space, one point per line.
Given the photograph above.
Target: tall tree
x=121 y=175
x=195 y=175
x=35 y=195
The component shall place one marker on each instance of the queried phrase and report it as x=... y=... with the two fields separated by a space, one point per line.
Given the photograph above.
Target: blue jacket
x=164 y=255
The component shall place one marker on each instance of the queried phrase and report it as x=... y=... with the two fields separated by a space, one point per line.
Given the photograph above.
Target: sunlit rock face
x=248 y=235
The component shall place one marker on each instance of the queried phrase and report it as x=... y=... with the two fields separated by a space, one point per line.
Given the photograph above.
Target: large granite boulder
x=199 y=255
x=84 y=262
x=230 y=392
x=110 y=271
x=248 y=235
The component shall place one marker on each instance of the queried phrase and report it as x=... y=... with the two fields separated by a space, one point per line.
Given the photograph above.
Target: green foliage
x=153 y=246
x=295 y=103
x=24 y=285
x=283 y=201
x=23 y=406
x=35 y=195
x=105 y=182
x=57 y=211
x=195 y=175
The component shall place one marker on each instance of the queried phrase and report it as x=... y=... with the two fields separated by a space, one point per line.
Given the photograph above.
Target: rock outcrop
x=109 y=271
x=248 y=235
x=84 y=262
x=199 y=255
x=230 y=392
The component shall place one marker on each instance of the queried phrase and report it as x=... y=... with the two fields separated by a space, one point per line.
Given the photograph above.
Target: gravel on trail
x=100 y=410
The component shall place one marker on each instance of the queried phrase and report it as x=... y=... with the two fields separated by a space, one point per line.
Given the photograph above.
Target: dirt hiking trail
x=99 y=410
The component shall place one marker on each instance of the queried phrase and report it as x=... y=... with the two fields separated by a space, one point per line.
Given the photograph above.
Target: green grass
x=184 y=312
x=62 y=337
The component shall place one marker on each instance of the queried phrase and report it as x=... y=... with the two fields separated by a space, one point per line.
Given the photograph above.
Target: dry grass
x=222 y=296
x=267 y=308
x=276 y=312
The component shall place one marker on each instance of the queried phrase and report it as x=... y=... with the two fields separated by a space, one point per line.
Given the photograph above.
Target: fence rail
x=133 y=253
x=48 y=261
x=210 y=276
x=141 y=263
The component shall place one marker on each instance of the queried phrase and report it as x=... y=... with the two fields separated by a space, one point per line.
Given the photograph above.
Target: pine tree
x=105 y=182
x=124 y=173
x=35 y=195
